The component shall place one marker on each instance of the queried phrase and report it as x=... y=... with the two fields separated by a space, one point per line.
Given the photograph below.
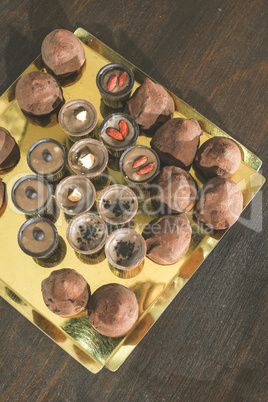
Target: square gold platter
x=155 y=286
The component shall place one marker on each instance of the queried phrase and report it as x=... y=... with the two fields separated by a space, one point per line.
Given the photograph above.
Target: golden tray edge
x=125 y=347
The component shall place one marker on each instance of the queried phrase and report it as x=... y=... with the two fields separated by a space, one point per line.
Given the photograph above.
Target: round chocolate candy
x=220 y=203
x=150 y=105
x=9 y=151
x=62 y=52
x=113 y=310
x=218 y=156
x=65 y=292
x=167 y=238
x=174 y=191
x=176 y=142
x=38 y=93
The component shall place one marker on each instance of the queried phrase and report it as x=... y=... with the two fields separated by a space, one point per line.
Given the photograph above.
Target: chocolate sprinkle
x=124 y=249
x=118 y=207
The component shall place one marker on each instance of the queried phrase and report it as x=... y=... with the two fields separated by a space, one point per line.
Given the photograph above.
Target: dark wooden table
x=211 y=343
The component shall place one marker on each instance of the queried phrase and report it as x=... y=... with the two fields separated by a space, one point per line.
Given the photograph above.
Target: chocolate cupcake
x=86 y=233
x=117 y=204
x=118 y=131
x=88 y=157
x=125 y=249
x=176 y=142
x=75 y=195
x=150 y=106
x=220 y=203
x=167 y=238
x=115 y=82
x=218 y=157
x=62 y=52
x=113 y=310
x=9 y=151
x=38 y=237
x=38 y=93
x=65 y=292
x=31 y=194
x=47 y=158
x=174 y=191
x=139 y=164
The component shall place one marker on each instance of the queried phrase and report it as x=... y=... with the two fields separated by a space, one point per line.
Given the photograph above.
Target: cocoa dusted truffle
x=62 y=52
x=167 y=238
x=38 y=93
x=150 y=106
x=220 y=203
x=9 y=151
x=175 y=191
x=113 y=310
x=65 y=292
x=2 y=193
x=176 y=142
x=219 y=156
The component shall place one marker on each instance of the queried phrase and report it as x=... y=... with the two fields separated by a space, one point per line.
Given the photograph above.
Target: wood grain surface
x=211 y=342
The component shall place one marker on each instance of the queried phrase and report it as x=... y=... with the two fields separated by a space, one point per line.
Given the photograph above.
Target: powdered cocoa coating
x=176 y=142
x=9 y=151
x=167 y=238
x=150 y=106
x=2 y=193
x=113 y=309
x=65 y=292
x=220 y=203
x=175 y=191
x=219 y=156
x=38 y=93
x=62 y=52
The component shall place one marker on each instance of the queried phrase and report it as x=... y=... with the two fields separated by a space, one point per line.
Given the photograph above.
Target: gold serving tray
x=155 y=286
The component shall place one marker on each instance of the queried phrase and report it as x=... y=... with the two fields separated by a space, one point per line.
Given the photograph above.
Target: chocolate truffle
x=113 y=310
x=219 y=156
x=38 y=93
x=175 y=191
x=65 y=292
x=62 y=52
x=220 y=203
x=2 y=193
x=9 y=151
x=176 y=142
x=167 y=238
x=150 y=106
